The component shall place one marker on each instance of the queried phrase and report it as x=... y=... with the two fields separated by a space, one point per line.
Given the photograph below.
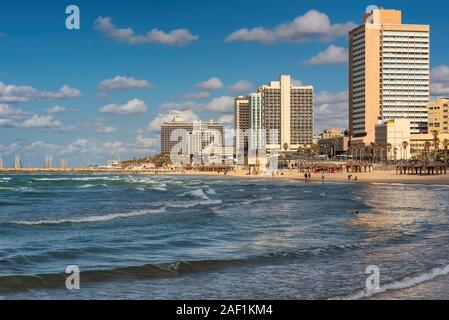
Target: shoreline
x=381 y=177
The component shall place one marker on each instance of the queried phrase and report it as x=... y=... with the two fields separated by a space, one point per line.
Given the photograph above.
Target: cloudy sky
x=101 y=92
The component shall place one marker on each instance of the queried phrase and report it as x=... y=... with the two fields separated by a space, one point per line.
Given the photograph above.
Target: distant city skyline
x=101 y=92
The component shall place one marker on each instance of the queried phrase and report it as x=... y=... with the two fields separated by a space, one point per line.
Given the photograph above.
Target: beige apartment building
x=280 y=107
x=200 y=135
x=438 y=115
x=242 y=121
x=389 y=71
x=289 y=110
x=332 y=133
x=396 y=134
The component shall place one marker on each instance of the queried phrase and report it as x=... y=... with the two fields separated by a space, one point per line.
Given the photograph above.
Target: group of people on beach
x=307 y=177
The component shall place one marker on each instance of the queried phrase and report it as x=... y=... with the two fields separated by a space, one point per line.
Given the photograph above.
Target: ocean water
x=190 y=237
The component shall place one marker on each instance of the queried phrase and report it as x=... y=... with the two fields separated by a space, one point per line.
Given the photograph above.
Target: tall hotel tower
x=389 y=71
x=281 y=110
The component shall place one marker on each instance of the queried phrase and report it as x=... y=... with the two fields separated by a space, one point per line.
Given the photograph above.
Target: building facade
x=242 y=122
x=395 y=138
x=200 y=135
x=288 y=109
x=256 y=111
x=438 y=115
x=389 y=73
x=277 y=116
x=332 y=133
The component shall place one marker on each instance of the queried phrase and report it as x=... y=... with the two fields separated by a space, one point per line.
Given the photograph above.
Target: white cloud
x=123 y=83
x=16 y=118
x=241 y=86
x=18 y=94
x=227 y=120
x=440 y=74
x=63 y=93
x=213 y=83
x=313 y=25
x=56 y=109
x=221 y=104
x=155 y=124
x=132 y=107
x=331 y=110
x=178 y=37
x=6 y=110
x=332 y=55
x=145 y=141
x=439 y=89
x=197 y=95
x=36 y=121
x=101 y=128
x=6 y=123
x=440 y=81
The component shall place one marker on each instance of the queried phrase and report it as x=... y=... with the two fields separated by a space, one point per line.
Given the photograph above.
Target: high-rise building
x=200 y=135
x=257 y=135
x=438 y=115
x=242 y=118
x=389 y=71
x=289 y=110
x=281 y=110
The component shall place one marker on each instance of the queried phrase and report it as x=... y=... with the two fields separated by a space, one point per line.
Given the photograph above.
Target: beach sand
x=364 y=177
x=376 y=176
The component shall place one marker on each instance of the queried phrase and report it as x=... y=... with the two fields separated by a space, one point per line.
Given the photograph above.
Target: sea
x=218 y=237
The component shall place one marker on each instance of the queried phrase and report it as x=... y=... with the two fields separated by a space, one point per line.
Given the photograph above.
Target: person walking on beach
x=322 y=177
x=305 y=177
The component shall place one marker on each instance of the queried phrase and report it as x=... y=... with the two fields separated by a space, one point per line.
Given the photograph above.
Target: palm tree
x=405 y=146
x=436 y=139
x=389 y=148
x=445 y=146
x=314 y=149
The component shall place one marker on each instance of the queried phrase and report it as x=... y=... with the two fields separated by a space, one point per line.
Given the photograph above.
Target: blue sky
x=167 y=71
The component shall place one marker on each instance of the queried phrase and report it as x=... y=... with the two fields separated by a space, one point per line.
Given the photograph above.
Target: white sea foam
x=93 y=185
x=211 y=191
x=197 y=193
x=5 y=180
x=405 y=283
x=190 y=204
x=80 y=179
x=159 y=188
x=100 y=218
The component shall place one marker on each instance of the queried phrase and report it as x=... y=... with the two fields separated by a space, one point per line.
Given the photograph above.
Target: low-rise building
x=332 y=133
x=438 y=115
x=394 y=137
x=334 y=146
x=418 y=142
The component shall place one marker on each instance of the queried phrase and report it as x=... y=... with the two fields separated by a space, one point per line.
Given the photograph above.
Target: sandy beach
x=376 y=176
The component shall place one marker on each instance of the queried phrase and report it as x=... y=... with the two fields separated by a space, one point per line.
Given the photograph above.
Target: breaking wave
x=90 y=219
x=404 y=283
x=197 y=193
x=17 y=283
